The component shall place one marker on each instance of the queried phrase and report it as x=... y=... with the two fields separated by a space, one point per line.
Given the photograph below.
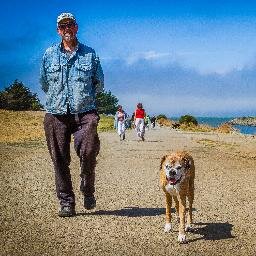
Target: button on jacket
x=71 y=80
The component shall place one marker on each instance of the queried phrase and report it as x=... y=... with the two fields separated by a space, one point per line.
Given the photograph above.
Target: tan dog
x=177 y=174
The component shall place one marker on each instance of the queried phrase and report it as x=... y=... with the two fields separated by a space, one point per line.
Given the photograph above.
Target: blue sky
x=177 y=57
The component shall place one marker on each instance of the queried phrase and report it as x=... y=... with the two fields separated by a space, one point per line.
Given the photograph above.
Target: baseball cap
x=65 y=15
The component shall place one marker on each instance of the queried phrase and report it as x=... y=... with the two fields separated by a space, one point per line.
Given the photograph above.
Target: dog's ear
x=162 y=160
x=188 y=162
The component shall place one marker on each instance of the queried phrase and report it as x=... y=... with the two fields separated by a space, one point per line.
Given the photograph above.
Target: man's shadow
x=129 y=212
x=213 y=231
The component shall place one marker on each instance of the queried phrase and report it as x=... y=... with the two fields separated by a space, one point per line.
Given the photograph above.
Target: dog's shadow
x=213 y=231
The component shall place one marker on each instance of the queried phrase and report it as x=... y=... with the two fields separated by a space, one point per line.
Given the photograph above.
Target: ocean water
x=217 y=121
x=246 y=129
x=213 y=121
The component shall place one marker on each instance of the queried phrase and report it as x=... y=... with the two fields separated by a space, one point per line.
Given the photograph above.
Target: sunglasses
x=66 y=25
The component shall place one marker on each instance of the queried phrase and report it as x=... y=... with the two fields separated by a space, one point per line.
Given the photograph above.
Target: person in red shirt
x=139 y=116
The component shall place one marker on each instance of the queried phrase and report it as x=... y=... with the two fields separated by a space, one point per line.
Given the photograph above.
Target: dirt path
x=129 y=217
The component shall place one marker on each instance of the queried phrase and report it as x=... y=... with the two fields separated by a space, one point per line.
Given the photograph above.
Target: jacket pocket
x=84 y=72
x=53 y=73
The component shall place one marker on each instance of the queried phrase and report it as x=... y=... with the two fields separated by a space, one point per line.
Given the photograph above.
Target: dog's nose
x=172 y=173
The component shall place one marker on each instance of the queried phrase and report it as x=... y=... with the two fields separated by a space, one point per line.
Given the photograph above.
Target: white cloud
x=176 y=90
x=148 y=55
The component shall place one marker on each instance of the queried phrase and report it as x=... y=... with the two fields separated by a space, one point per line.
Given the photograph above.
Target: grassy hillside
x=23 y=126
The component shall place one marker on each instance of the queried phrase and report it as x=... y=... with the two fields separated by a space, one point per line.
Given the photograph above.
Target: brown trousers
x=58 y=131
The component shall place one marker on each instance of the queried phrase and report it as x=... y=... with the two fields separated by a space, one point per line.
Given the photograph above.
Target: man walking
x=71 y=75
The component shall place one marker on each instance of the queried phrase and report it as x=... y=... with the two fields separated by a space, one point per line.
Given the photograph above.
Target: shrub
x=19 y=97
x=188 y=120
x=106 y=103
x=161 y=116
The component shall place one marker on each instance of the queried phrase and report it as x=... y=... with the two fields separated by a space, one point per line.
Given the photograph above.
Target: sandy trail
x=129 y=217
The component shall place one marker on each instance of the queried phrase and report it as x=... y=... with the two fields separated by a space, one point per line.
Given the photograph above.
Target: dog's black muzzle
x=172 y=172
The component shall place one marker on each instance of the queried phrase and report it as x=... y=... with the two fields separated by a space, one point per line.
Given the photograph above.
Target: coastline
x=246 y=121
x=237 y=123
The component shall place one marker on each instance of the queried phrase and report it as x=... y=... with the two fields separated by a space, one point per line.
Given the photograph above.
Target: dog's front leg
x=189 y=226
x=177 y=208
x=182 y=213
x=168 y=205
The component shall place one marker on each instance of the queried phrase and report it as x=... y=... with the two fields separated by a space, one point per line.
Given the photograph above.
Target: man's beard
x=68 y=37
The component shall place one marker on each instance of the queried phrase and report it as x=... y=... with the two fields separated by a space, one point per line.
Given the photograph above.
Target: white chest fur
x=172 y=189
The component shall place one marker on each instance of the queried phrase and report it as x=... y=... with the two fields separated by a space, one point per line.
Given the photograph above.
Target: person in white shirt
x=120 y=118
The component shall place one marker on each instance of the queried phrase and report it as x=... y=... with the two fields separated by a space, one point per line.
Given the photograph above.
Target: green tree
x=19 y=97
x=187 y=119
x=106 y=103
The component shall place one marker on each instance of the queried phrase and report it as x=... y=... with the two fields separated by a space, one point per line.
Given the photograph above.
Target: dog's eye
x=178 y=167
x=168 y=167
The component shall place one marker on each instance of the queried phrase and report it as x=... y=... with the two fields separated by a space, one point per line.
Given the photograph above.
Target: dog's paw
x=182 y=239
x=189 y=228
x=167 y=227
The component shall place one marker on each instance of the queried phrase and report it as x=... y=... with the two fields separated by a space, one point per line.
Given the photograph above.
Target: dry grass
x=25 y=126
x=207 y=142
x=21 y=126
x=225 y=128
x=106 y=123
x=196 y=128
x=213 y=143
x=165 y=122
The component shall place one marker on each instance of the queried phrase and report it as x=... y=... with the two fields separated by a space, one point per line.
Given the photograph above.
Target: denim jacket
x=71 y=81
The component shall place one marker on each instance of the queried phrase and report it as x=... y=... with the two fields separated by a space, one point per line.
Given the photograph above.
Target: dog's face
x=176 y=166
